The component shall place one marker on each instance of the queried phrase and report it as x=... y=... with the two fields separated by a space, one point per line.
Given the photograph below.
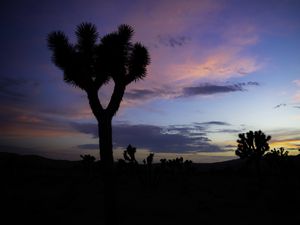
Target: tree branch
x=116 y=98
x=95 y=103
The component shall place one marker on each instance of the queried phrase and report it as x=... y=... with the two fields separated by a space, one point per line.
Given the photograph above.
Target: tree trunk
x=106 y=156
x=105 y=141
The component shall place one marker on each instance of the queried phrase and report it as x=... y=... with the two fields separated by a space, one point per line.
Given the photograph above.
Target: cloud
x=210 y=89
x=219 y=64
x=296 y=97
x=297 y=82
x=86 y=128
x=289 y=143
x=230 y=146
x=136 y=96
x=15 y=89
x=280 y=105
x=232 y=131
x=10 y=81
x=141 y=94
x=21 y=122
x=177 y=138
x=287 y=138
x=89 y=146
x=173 y=42
x=254 y=83
x=220 y=123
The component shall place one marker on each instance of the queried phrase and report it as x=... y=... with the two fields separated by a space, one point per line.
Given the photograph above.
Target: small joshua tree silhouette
x=88 y=159
x=252 y=145
x=277 y=157
x=149 y=159
x=129 y=154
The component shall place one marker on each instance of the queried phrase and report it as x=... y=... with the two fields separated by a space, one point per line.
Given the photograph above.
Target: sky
x=218 y=68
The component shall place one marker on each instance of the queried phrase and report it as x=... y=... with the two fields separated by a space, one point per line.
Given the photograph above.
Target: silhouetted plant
x=280 y=153
x=176 y=164
x=121 y=165
x=163 y=163
x=88 y=159
x=129 y=154
x=150 y=158
x=277 y=157
x=188 y=164
x=90 y=64
x=149 y=176
x=252 y=145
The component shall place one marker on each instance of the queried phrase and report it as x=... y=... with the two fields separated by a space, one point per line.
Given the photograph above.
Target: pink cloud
x=18 y=121
x=296 y=97
x=297 y=82
x=221 y=65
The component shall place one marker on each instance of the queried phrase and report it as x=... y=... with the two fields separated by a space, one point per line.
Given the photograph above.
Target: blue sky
x=218 y=68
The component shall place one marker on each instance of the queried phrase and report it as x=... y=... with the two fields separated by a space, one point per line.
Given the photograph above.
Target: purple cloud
x=210 y=89
x=189 y=138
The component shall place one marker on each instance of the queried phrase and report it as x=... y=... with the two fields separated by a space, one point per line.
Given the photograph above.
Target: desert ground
x=36 y=190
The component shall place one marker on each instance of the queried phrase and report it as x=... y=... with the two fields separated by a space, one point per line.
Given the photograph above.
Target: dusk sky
x=218 y=68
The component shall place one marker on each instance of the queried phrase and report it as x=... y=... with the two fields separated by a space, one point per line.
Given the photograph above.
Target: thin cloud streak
x=209 y=89
x=141 y=95
x=280 y=105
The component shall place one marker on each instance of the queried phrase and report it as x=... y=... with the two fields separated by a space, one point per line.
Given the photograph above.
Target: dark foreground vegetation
x=36 y=190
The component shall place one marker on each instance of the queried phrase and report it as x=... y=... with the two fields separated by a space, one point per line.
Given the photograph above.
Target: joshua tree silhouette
x=90 y=64
x=252 y=145
x=277 y=158
x=129 y=154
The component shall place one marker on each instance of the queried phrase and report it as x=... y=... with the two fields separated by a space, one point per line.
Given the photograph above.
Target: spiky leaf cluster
x=93 y=61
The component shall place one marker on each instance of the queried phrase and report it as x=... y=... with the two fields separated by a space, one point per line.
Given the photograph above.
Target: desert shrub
x=87 y=159
x=277 y=158
x=176 y=165
x=129 y=154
